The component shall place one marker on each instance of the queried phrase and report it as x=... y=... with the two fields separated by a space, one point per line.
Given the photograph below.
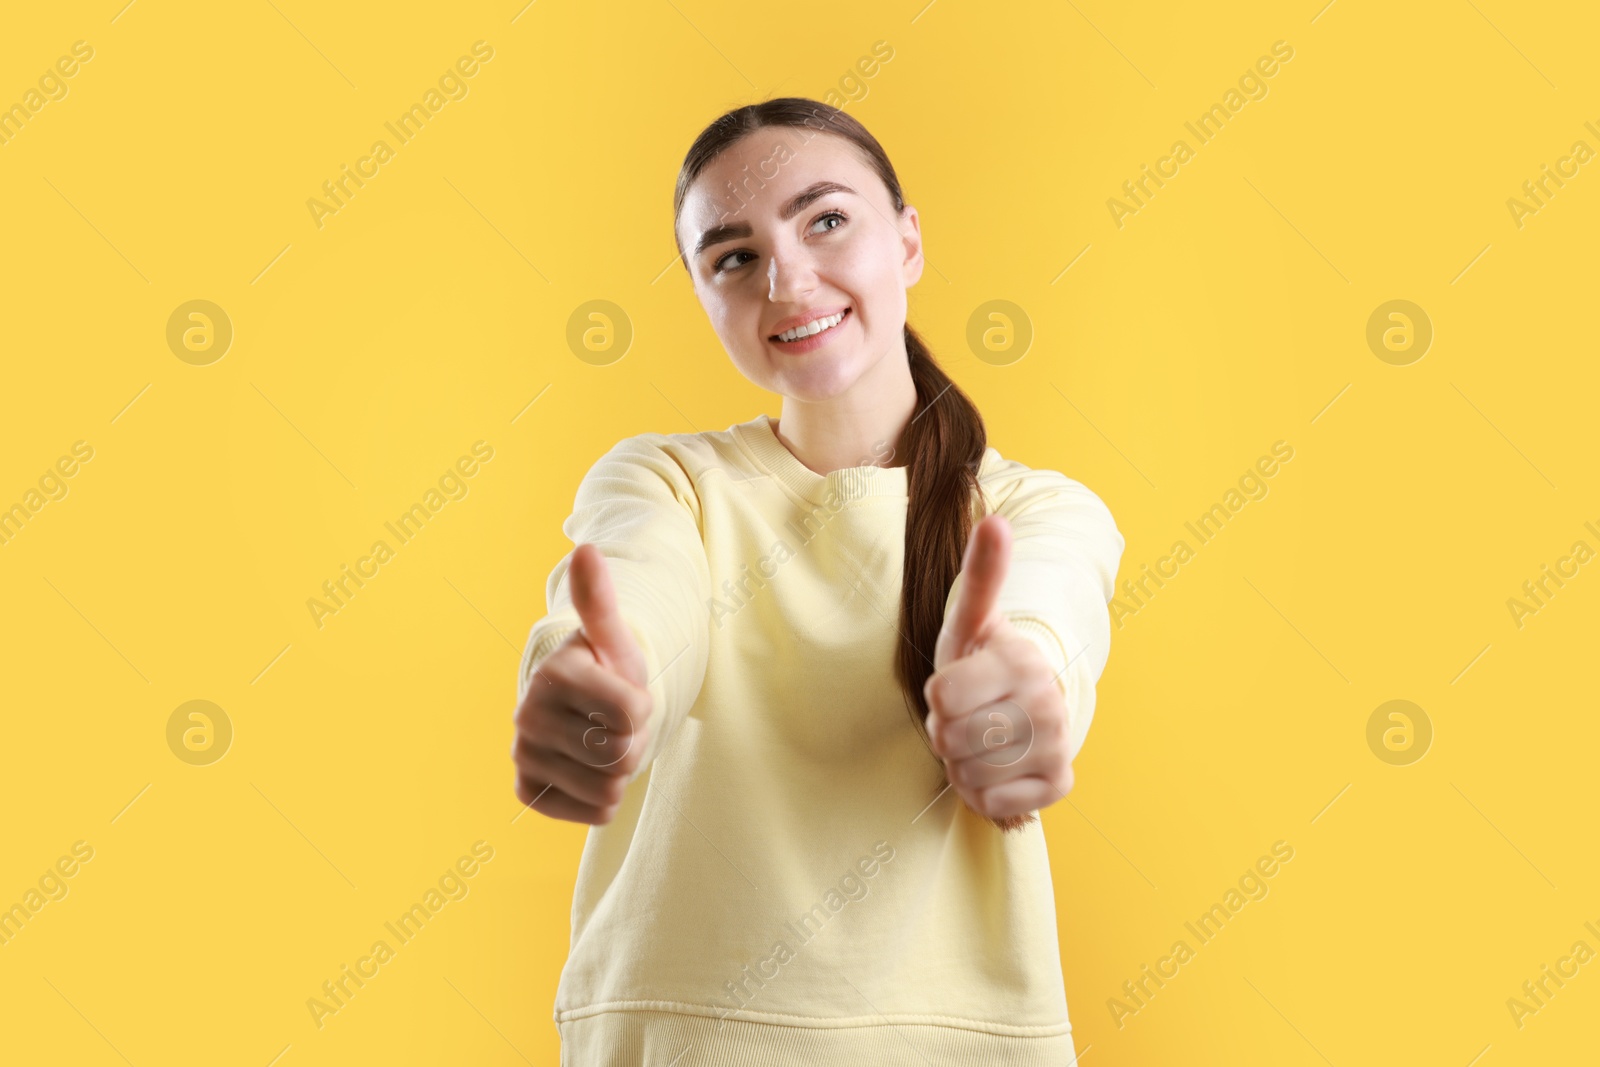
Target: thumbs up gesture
x=996 y=716
x=582 y=727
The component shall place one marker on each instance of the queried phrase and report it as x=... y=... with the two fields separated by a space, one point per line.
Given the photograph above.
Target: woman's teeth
x=812 y=328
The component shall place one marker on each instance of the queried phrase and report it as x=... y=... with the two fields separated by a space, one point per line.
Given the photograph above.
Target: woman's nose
x=790 y=275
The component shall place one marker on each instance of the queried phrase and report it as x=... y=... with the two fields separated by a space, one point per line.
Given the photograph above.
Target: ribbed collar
x=848 y=483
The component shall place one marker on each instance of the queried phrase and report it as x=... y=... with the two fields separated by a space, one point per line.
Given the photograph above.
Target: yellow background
x=368 y=354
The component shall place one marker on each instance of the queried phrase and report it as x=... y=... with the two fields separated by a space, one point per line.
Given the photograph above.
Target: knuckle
x=534 y=711
x=956 y=747
x=522 y=759
x=556 y=668
x=1060 y=728
x=641 y=706
x=1028 y=662
x=630 y=760
x=973 y=798
x=524 y=790
x=521 y=717
x=527 y=758
x=587 y=785
x=612 y=790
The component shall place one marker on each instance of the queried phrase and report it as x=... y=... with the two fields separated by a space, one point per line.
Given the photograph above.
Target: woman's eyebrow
x=793 y=206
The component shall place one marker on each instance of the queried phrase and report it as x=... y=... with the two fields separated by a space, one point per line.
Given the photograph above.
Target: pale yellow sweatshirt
x=788 y=880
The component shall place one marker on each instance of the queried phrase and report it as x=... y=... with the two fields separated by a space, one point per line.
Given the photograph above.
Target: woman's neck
x=858 y=428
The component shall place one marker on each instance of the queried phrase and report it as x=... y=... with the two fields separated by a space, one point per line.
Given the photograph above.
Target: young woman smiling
x=917 y=671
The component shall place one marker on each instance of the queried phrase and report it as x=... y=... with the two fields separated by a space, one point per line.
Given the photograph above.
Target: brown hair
x=944 y=449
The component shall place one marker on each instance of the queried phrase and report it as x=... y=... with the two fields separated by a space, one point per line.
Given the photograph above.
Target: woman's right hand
x=582 y=727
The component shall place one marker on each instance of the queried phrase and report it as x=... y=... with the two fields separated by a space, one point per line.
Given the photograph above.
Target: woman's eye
x=831 y=215
x=718 y=267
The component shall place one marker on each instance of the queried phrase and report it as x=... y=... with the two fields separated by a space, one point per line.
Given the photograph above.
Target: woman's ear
x=911 y=238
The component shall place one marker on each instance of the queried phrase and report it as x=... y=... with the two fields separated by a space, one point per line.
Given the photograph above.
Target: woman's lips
x=815 y=341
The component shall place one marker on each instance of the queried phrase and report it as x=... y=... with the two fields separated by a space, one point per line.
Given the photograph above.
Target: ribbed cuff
x=1055 y=654
x=543 y=639
x=1045 y=638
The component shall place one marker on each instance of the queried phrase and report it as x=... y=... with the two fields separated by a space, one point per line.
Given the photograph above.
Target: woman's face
x=789 y=226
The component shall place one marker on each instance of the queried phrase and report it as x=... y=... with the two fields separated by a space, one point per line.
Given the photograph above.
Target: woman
x=807 y=716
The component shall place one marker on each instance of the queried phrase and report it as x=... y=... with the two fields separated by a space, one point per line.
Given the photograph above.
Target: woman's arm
x=640 y=508
x=1065 y=550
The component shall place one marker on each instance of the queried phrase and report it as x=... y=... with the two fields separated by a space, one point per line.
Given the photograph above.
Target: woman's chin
x=822 y=381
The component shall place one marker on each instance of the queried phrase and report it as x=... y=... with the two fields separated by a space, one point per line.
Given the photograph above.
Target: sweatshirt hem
x=772 y=1018
x=636 y=1032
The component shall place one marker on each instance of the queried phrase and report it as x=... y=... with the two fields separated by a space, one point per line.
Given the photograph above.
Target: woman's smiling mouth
x=812 y=335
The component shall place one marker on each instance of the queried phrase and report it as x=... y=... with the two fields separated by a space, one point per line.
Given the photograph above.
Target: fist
x=996 y=717
x=583 y=724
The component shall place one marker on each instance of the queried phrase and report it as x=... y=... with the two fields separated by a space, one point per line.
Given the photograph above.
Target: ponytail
x=945 y=442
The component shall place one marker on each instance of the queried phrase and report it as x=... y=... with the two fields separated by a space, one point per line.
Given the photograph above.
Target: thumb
x=983 y=572
x=596 y=600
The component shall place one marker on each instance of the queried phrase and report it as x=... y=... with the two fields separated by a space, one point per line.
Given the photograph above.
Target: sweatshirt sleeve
x=639 y=506
x=1065 y=551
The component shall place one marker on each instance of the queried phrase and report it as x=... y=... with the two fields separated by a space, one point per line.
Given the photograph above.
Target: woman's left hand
x=996 y=716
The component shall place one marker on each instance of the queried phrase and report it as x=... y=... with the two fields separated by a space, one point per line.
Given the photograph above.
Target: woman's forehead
x=754 y=177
